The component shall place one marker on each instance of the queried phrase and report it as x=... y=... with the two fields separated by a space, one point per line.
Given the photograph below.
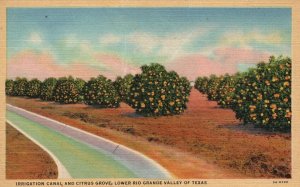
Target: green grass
x=81 y=160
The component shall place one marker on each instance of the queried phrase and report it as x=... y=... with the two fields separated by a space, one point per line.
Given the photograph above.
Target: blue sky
x=142 y=35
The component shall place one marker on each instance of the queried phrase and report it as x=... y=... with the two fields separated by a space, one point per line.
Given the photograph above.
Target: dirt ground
x=205 y=142
x=26 y=160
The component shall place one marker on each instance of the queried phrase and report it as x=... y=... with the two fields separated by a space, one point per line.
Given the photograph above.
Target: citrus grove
x=260 y=96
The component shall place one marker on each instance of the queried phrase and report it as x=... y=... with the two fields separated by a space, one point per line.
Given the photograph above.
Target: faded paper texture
x=136 y=93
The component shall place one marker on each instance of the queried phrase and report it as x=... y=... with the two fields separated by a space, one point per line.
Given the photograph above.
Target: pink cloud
x=33 y=65
x=225 y=60
x=237 y=55
x=115 y=66
x=196 y=65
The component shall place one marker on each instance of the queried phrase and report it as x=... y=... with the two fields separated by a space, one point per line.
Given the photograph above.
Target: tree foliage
x=122 y=85
x=9 y=86
x=66 y=91
x=101 y=92
x=20 y=87
x=260 y=96
x=47 y=88
x=157 y=92
x=33 y=88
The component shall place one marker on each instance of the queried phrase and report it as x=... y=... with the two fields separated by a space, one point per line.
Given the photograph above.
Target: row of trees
x=154 y=92
x=260 y=96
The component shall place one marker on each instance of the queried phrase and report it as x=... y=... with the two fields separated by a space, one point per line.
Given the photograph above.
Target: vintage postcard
x=135 y=93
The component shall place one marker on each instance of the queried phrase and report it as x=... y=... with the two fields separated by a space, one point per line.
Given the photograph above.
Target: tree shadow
x=251 y=129
x=132 y=115
x=100 y=107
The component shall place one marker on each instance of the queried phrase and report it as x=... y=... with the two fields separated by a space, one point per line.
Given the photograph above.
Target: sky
x=86 y=42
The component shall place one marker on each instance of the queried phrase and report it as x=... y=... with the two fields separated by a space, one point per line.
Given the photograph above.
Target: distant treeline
x=154 y=92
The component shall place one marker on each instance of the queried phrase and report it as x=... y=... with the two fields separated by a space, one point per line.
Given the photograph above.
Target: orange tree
x=264 y=95
x=79 y=83
x=20 y=86
x=225 y=90
x=212 y=86
x=47 y=88
x=243 y=96
x=260 y=96
x=157 y=92
x=101 y=92
x=122 y=85
x=66 y=91
x=33 y=88
x=201 y=84
x=9 y=86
